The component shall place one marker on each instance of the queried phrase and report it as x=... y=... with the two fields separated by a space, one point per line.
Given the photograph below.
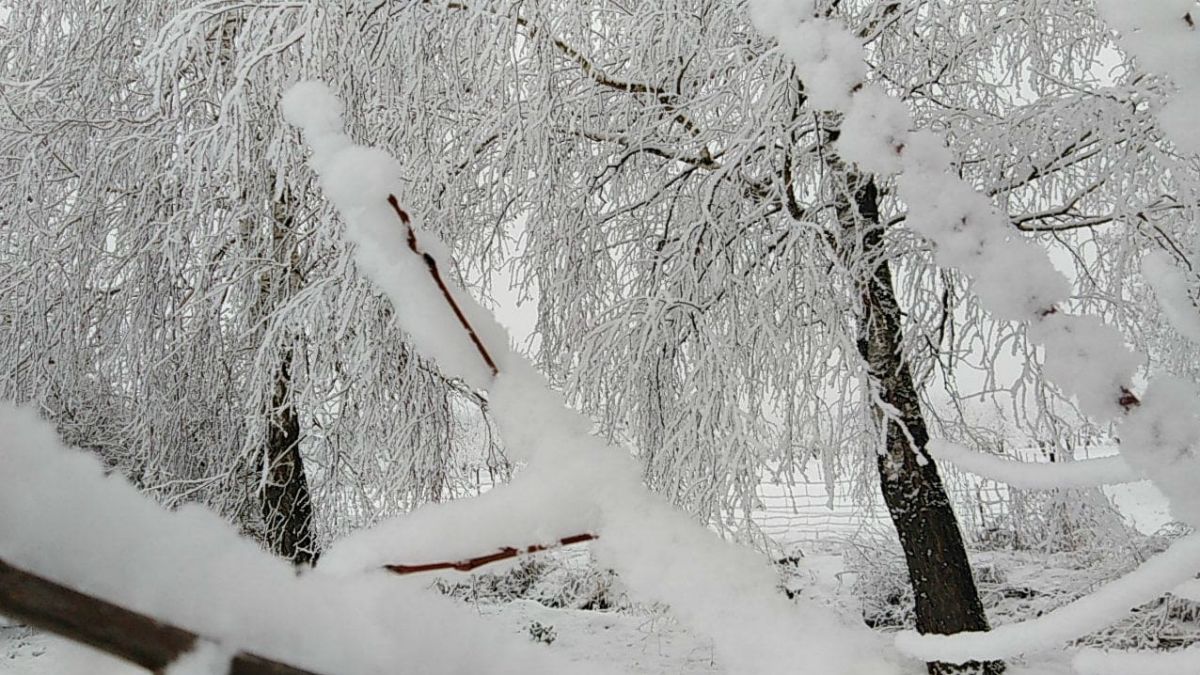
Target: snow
x=206 y=658
x=1163 y=42
x=62 y=516
x=1092 y=612
x=1087 y=359
x=1171 y=288
x=1161 y=438
x=572 y=480
x=1101 y=662
x=1035 y=476
x=828 y=58
x=874 y=131
x=634 y=642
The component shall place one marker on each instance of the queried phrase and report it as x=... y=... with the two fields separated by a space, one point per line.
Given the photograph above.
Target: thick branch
x=134 y=637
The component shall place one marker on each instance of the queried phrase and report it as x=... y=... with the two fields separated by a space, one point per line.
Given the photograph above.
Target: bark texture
x=286 y=502
x=946 y=598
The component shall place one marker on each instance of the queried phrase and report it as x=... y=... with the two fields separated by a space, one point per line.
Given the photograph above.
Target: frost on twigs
x=572 y=480
x=1171 y=289
x=1161 y=438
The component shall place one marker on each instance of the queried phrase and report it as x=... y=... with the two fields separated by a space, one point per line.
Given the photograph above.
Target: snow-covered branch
x=63 y=517
x=134 y=637
x=573 y=481
x=1036 y=475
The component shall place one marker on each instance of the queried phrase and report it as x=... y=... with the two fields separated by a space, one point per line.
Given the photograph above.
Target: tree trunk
x=939 y=571
x=286 y=505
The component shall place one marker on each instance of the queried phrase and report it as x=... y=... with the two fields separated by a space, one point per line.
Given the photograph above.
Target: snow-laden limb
x=1036 y=475
x=536 y=508
x=1101 y=662
x=573 y=480
x=1161 y=439
x=61 y=516
x=1162 y=35
x=1092 y=612
x=1012 y=276
x=1171 y=288
x=398 y=256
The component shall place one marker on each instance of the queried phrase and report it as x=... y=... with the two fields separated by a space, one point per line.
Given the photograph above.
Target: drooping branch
x=113 y=629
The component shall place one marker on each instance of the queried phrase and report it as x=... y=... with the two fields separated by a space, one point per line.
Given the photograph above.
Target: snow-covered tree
x=178 y=300
x=729 y=274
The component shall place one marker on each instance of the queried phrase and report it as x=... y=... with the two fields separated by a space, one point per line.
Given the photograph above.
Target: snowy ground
x=646 y=642
x=635 y=643
x=1014 y=585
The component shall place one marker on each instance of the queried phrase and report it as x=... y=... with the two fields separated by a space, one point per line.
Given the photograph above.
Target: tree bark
x=946 y=598
x=286 y=502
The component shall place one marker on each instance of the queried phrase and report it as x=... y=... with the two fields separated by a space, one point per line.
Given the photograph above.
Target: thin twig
x=431 y=263
x=503 y=554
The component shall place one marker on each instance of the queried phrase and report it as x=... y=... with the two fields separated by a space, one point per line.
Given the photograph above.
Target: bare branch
x=503 y=554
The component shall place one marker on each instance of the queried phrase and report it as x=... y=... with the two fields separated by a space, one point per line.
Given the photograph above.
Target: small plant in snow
x=540 y=632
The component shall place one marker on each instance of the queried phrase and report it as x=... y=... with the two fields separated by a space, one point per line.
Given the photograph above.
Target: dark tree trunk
x=286 y=505
x=939 y=571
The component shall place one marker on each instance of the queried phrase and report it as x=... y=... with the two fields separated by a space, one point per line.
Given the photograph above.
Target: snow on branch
x=1013 y=277
x=1015 y=280
x=1036 y=475
x=479 y=561
x=63 y=519
x=572 y=480
x=1090 y=613
x=1162 y=35
x=112 y=629
x=1171 y=289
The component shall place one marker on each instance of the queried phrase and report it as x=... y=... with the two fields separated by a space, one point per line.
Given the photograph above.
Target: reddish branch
x=431 y=263
x=121 y=632
x=503 y=554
